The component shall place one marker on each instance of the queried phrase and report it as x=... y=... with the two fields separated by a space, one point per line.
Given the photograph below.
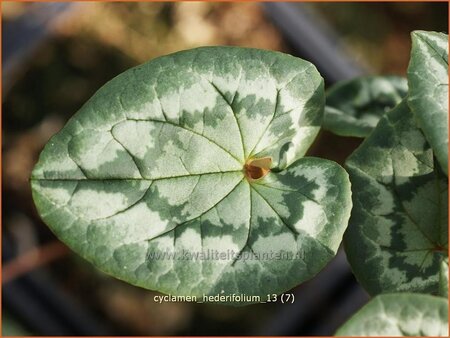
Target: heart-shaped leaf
x=354 y=107
x=399 y=314
x=186 y=175
x=398 y=233
x=428 y=89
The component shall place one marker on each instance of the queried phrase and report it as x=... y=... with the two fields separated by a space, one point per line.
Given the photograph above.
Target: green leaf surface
x=428 y=89
x=148 y=180
x=401 y=314
x=354 y=107
x=443 y=279
x=398 y=231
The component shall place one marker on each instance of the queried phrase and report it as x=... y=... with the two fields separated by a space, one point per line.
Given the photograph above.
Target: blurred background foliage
x=93 y=42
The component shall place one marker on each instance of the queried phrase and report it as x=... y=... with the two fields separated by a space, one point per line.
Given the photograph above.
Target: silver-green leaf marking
x=428 y=89
x=354 y=107
x=399 y=314
x=398 y=232
x=186 y=175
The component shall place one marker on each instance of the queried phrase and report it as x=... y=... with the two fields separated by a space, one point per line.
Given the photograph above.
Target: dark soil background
x=56 y=56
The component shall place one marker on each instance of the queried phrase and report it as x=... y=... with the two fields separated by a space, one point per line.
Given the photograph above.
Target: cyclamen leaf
x=428 y=95
x=354 y=107
x=398 y=234
x=399 y=314
x=176 y=166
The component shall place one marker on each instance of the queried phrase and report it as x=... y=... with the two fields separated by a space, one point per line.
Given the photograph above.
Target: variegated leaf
x=428 y=95
x=354 y=107
x=175 y=167
x=398 y=234
x=399 y=314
